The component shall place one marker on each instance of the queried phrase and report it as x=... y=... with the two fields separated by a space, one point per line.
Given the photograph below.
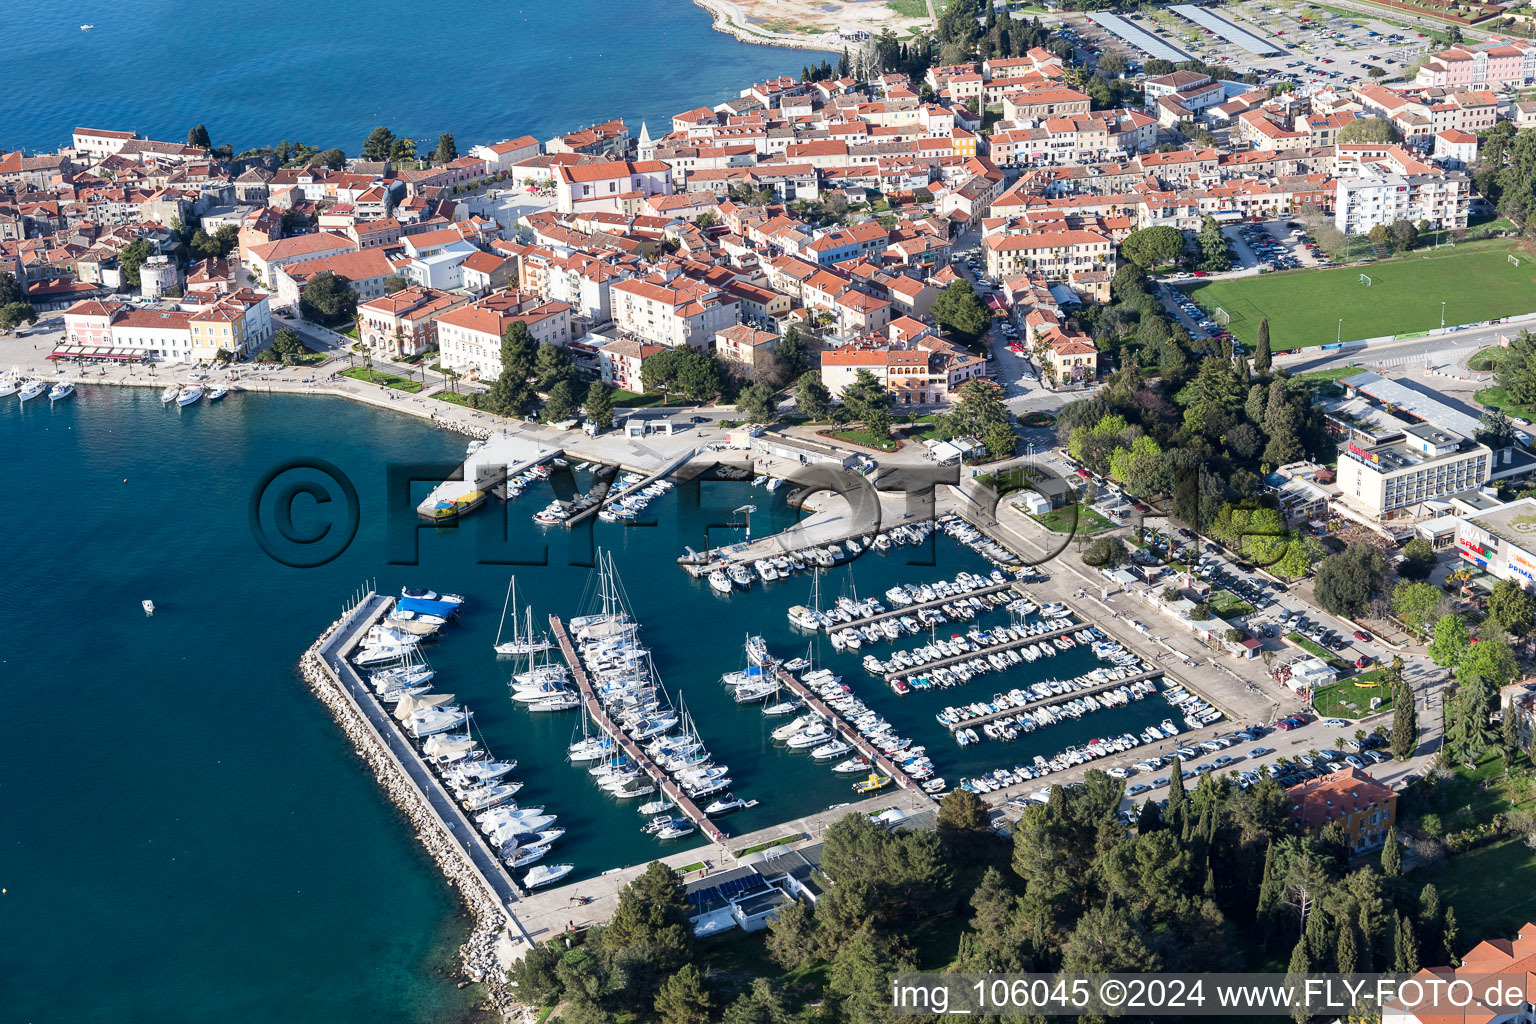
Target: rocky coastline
x=730 y=19
x=480 y=959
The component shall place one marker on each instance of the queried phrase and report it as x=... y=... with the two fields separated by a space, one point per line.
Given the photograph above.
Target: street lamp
x=1338 y=337
x=1442 y=314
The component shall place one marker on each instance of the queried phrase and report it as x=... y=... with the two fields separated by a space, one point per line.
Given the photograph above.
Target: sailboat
x=526 y=642
x=809 y=618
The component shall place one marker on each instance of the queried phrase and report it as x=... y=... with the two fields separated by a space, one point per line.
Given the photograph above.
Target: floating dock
x=633 y=750
x=845 y=732
x=592 y=508
x=497 y=460
x=939 y=602
x=982 y=652
x=1059 y=698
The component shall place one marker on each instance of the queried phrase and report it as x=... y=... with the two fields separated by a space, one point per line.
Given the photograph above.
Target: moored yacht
x=721 y=582
x=189 y=394
x=30 y=390
x=60 y=391
x=169 y=394
x=546 y=874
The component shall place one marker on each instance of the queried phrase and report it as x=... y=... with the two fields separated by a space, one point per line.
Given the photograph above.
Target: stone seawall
x=731 y=20
x=482 y=957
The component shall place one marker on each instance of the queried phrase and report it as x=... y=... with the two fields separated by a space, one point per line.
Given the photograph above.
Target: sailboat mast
x=502 y=624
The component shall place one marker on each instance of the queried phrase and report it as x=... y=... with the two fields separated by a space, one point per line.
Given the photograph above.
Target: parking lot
x=1320 y=47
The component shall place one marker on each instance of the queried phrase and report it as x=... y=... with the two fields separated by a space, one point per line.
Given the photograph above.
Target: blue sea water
x=187 y=835
x=328 y=73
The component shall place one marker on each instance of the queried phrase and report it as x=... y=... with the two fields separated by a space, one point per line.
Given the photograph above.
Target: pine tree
x=599 y=407
x=1261 y=357
x=447 y=149
x=682 y=998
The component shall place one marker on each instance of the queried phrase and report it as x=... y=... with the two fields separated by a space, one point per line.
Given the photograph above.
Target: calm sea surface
x=188 y=837
x=327 y=73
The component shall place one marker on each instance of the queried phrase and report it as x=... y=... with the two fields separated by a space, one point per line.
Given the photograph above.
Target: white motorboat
x=815 y=736
x=546 y=874
x=853 y=764
x=216 y=393
x=739 y=575
x=30 y=390
x=564 y=701
x=651 y=808
x=148 y=606
x=757 y=650
x=721 y=582
x=169 y=394
x=783 y=707
x=675 y=830
x=9 y=386
x=486 y=796
x=60 y=391
x=424 y=722
x=189 y=394
x=522 y=856
x=417 y=594
x=728 y=803
x=827 y=751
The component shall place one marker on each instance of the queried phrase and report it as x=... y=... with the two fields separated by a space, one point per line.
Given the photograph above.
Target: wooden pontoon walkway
x=982 y=652
x=632 y=750
x=845 y=732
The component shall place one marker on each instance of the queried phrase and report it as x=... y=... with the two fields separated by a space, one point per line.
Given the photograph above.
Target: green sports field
x=1475 y=280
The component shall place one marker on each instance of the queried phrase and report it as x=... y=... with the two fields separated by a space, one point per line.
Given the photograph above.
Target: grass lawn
x=1228 y=604
x=1483 y=910
x=621 y=399
x=863 y=437
x=1485 y=360
x=1329 y=701
x=388 y=380
x=1085 y=522
x=1476 y=280
x=781 y=841
x=456 y=398
x=1496 y=398
x=1329 y=376
x=1316 y=650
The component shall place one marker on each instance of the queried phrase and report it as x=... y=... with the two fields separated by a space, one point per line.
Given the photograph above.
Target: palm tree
x=368 y=363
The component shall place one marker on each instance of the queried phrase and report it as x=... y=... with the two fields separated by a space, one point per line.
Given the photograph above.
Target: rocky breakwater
x=486 y=953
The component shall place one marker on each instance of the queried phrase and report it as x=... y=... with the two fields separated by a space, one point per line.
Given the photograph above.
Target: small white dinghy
x=148 y=605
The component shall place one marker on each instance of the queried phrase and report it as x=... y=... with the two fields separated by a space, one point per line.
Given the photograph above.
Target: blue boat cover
x=446 y=609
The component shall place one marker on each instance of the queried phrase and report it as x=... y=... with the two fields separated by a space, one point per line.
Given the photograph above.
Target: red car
x=1084 y=474
x=1201 y=273
x=1362 y=661
x=1361 y=634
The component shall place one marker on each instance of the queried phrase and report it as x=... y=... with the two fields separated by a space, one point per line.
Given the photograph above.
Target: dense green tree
x=1153 y=247
x=1346 y=582
x=1391 y=855
x=333 y=159
x=1405 y=721
x=1417 y=604
x=198 y=137
x=1495 y=430
x=789 y=940
x=960 y=311
x=859 y=977
x=328 y=299
x=812 y=398
x=1262 y=360
x=683 y=999
x=1369 y=129
x=1418 y=560
x=447 y=151
x=1404 y=235
x=1449 y=645
x=535 y=975
x=757 y=403
x=1513 y=607
x=402 y=151
x=509 y=394
x=131 y=257
x=652 y=911
x=1105 y=551
x=16 y=314
x=1517 y=179
x=790 y=351
x=561 y=403
x=760 y=1004
x=964 y=824
x=866 y=398
x=599 y=406
x=11 y=290
x=1105 y=940
x=287 y=345
x=377 y=146
x=1300 y=554
x=553 y=364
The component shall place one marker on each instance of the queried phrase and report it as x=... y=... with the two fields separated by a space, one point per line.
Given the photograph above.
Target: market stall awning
x=94 y=352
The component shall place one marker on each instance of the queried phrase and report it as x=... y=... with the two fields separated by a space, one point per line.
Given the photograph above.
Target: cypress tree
x=1410 y=945
x=1295 y=976
x=1431 y=925
x=1270 y=885
x=1405 y=721
x=1319 y=941
x=1400 y=939
x=1450 y=936
x=1261 y=357
x=1348 y=951
x=1391 y=855
x=1178 y=809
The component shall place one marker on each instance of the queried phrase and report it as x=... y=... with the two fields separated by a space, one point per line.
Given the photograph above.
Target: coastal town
x=1162 y=379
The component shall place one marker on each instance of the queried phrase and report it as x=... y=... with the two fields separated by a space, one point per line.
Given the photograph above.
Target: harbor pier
x=981 y=652
x=594 y=708
x=499 y=459
x=939 y=602
x=845 y=732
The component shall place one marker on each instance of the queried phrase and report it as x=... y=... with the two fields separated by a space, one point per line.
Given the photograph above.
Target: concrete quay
x=498 y=460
